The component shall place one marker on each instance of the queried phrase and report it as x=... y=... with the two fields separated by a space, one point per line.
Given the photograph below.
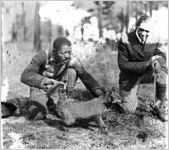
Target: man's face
x=63 y=54
x=143 y=31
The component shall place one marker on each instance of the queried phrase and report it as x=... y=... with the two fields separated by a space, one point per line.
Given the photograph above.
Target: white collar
x=138 y=36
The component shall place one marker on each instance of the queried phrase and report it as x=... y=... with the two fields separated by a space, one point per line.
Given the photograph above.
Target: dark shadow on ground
x=80 y=123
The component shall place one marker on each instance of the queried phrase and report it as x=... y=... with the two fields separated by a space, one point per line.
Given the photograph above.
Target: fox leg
x=68 y=118
x=101 y=124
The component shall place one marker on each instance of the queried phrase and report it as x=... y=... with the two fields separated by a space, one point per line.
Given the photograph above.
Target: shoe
x=159 y=112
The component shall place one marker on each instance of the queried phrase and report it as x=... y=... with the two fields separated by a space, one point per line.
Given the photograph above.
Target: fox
x=70 y=110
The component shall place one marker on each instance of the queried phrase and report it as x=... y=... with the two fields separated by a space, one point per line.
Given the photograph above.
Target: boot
x=159 y=106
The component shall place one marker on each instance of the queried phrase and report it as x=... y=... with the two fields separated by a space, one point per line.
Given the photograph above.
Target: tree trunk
x=82 y=32
x=150 y=8
x=122 y=20
x=23 y=22
x=37 y=31
x=146 y=5
x=100 y=20
x=49 y=31
x=127 y=16
x=136 y=13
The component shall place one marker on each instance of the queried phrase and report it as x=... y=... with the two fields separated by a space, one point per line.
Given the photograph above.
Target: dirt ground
x=18 y=132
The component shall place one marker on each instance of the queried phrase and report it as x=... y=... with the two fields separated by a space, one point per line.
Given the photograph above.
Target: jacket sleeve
x=30 y=75
x=124 y=63
x=90 y=83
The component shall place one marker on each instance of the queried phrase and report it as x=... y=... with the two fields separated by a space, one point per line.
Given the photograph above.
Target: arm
x=30 y=75
x=90 y=83
x=125 y=64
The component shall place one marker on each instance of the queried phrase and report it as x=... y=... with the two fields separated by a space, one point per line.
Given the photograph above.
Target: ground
x=18 y=132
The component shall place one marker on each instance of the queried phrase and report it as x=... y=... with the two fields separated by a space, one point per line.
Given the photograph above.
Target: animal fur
x=70 y=110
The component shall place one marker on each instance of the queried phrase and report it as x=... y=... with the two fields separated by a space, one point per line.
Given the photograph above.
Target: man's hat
x=144 y=23
x=145 y=26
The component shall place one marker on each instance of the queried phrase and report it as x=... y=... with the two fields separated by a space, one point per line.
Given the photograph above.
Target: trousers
x=129 y=89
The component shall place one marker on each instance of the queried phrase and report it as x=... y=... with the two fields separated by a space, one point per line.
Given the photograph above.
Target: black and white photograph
x=84 y=75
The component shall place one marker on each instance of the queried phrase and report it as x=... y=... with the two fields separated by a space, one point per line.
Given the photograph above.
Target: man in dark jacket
x=137 y=60
x=56 y=67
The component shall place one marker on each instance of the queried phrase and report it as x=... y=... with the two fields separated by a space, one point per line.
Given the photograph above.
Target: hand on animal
x=50 y=83
x=49 y=71
x=152 y=59
x=99 y=92
x=156 y=66
x=48 y=74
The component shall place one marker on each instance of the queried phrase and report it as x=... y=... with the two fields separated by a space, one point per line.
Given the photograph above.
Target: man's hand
x=99 y=92
x=156 y=66
x=49 y=83
x=152 y=59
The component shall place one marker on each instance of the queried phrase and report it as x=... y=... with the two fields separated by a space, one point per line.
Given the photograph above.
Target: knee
x=128 y=109
x=129 y=102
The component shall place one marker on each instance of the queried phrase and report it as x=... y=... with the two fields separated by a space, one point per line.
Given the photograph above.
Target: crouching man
x=56 y=67
x=138 y=60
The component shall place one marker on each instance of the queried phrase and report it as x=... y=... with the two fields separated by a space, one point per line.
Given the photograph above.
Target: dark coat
x=133 y=55
x=33 y=73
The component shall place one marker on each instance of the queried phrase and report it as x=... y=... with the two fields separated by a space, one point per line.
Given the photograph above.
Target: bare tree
x=37 y=31
x=100 y=19
x=121 y=17
x=23 y=22
x=85 y=20
x=127 y=16
x=49 y=30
